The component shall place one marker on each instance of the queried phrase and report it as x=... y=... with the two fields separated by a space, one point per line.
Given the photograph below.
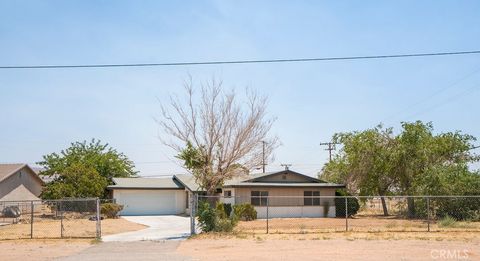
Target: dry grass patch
x=429 y=236
x=358 y=223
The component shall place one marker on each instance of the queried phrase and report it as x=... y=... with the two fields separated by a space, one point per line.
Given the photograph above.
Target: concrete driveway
x=159 y=228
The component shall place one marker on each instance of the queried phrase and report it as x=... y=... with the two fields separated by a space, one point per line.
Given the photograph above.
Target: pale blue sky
x=42 y=111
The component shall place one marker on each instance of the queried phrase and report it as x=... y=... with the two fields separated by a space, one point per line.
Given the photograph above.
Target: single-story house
x=19 y=182
x=287 y=193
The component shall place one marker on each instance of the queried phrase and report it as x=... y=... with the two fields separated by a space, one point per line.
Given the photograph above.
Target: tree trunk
x=411 y=207
x=384 y=206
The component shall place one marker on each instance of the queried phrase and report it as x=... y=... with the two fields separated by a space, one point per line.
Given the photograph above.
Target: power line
x=239 y=61
x=448 y=100
x=433 y=94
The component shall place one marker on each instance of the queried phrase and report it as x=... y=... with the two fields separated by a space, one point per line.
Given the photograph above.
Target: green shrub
x=353 y=204
x=228 y=209
x=245 y=212
x=110 y=210
x=224 y=225
x=207 y=216
x=214 y=219
x=224 y=209
x=462 y=208
x=221 y=210
x=447 y=221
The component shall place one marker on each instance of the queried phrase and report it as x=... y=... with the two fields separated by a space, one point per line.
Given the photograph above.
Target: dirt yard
x=47 y=249
x=360 y=223
x=326 y=246
x=264 y=248
x=73 y=228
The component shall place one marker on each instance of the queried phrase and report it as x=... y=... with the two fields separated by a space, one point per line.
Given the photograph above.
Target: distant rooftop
x=146 y=183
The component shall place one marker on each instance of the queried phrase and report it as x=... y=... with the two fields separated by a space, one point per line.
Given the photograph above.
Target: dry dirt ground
x=75 y=228
x=327 y=246
x=41 y=249
x=333 y=249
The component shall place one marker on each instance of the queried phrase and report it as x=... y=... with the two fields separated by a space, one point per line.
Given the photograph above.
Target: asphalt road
x=140 y=250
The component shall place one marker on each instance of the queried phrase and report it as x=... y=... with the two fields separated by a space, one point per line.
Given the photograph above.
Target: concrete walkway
x=159 y=228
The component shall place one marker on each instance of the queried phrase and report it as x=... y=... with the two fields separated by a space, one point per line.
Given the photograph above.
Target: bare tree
x=226 y=133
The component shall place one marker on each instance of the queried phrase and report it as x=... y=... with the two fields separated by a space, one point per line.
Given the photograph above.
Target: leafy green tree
x=419 y=151
x=76 y=181
x=364 y=162
x=377 y=162
x=84 y=170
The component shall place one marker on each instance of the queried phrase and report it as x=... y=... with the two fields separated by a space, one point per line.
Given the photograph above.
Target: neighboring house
x=287 y=193
x=19 y=182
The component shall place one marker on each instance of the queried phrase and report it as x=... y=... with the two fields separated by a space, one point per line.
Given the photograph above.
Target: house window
x=311 y=198
x=259 y=198
x=227 y=193
x=186 y=199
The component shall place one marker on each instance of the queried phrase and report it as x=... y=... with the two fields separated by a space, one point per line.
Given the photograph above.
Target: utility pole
x=263 y=156
x=330 y=148
x=286 y=166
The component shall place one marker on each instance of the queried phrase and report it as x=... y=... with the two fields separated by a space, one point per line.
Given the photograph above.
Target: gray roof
x=6 y=170
x=188 y=181
x=255 y=177
x=181 y=181
x=145 y=183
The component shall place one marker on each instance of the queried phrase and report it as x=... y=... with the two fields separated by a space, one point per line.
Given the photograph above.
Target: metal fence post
x=61 y=218
x=346 y=213
x=31 y=219
x=268 y=204
x=193 y=199
x=99 y=226
x=428 y=214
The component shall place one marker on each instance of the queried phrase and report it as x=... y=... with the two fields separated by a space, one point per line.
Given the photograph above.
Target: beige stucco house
x=19 y=182
x=285 y=193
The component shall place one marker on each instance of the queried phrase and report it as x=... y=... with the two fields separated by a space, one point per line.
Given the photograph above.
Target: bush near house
x=224 y=209
x=214 y=219
x=110 y=210
x=353 y=204
x=222 y=217
x=245 y=212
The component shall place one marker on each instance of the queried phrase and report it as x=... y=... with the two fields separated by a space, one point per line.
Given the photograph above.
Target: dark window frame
x=311 y=198
x=227 y=193
x=258 y=198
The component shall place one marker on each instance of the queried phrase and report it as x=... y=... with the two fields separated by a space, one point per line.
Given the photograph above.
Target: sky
x=43 y=111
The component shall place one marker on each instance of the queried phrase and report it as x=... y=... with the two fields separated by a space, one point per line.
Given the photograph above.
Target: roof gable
x=18 y=194
x=284 y=176
x=7 y=170
x=188 y=181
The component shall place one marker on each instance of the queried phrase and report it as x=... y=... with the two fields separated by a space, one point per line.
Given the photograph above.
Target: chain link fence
x=67 y=218
x=319 y=214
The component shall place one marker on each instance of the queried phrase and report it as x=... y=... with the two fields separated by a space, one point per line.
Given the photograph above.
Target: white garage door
x=150 y=202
